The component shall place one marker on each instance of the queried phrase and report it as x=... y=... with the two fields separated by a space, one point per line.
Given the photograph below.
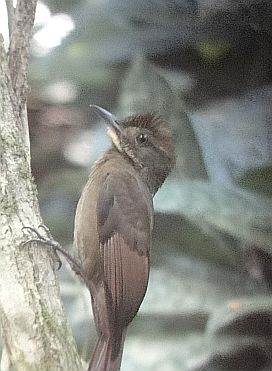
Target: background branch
x=21 y=21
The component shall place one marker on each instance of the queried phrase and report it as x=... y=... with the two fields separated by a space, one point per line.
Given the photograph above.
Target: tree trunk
x=35 y=330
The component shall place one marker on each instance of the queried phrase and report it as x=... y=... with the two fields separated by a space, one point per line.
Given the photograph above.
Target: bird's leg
x=50 y=242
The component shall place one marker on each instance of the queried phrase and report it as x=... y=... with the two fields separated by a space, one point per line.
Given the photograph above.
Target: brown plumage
x=113 y=227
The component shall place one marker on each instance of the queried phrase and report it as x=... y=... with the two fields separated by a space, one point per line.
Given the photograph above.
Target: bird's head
x=146 y=141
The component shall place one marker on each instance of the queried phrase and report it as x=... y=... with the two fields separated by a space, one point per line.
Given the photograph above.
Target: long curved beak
x=107 y=117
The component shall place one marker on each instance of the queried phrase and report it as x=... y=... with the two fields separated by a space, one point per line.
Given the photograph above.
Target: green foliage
x=213 y=50
x=258 y=180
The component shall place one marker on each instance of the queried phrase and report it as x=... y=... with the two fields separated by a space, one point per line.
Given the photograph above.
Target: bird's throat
x=114 y=138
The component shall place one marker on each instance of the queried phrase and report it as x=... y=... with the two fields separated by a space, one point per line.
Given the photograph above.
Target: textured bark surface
x=35 y=331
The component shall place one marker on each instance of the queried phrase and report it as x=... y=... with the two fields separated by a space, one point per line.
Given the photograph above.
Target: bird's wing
x=124 y=223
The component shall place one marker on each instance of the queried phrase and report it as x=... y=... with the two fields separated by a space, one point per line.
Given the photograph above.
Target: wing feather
x=124 y=227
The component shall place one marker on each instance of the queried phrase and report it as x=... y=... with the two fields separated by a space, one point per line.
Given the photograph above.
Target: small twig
x=18 y=57
x=19 y=47
x=10 y=11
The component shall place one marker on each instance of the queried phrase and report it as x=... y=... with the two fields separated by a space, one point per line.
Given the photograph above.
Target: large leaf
x=242 y=214
x=145 y=90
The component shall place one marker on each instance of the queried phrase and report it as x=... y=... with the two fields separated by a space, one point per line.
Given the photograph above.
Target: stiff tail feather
x=107 y=355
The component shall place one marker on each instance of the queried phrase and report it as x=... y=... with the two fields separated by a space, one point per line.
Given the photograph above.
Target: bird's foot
x=49 y=241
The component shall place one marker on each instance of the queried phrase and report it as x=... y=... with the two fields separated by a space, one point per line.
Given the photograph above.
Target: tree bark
x=35 y=330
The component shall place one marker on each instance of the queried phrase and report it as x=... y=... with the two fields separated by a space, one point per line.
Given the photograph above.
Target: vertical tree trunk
x=34 y=327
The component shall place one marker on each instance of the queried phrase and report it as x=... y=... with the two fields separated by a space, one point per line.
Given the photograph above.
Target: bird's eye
x=142 y=138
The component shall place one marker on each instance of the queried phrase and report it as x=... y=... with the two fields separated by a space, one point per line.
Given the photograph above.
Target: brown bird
x=113 y=226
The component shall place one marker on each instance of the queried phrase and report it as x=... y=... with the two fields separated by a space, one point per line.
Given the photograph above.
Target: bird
x=113 y=226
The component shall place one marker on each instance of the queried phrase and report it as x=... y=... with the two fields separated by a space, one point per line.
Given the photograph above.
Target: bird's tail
x=107 y=354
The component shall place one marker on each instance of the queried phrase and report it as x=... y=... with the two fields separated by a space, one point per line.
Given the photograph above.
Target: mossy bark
x=35 y=331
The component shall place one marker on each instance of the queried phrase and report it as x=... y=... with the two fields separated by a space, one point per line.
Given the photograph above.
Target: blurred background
x=204 y=65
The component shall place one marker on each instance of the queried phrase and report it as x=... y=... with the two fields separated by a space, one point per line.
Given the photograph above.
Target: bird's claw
x=48 y=240
x=37 y=233
x=48 y=237
x=58 y=260
x=47 y=231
